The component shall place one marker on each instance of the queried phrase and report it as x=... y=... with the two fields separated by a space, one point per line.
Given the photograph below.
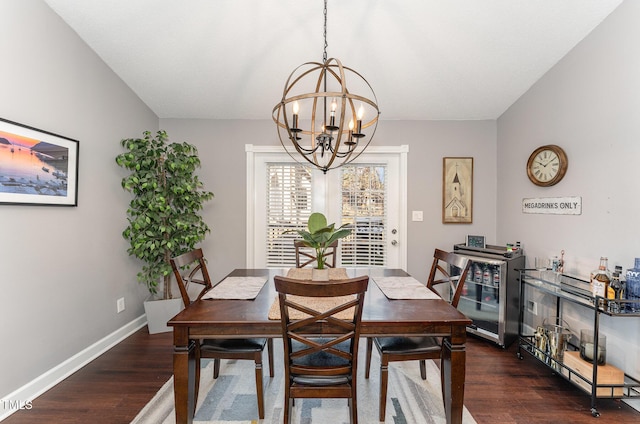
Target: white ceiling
x=425 y=59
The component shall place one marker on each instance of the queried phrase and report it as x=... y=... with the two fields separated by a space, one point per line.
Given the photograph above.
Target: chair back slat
x=306 y=256
x=190 y=268
x=442 y=272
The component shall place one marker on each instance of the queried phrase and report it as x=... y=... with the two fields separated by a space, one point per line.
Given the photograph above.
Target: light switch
x=416 y=215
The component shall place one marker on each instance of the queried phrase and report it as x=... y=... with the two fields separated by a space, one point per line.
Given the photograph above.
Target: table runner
x=317 y=303
x=243 y=288
x=305 y=273
x=404 y=288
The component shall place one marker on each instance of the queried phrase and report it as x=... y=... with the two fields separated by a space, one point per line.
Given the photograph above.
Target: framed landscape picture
x=457 y=190
x=37 y=167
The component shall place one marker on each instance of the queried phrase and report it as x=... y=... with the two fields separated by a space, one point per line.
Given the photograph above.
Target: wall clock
x=547 y=165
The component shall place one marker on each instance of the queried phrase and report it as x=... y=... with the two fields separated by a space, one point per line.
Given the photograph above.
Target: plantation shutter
x=289 y=203
x=364 y=207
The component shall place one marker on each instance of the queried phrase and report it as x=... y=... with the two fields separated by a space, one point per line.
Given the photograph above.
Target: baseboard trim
x=55 y=375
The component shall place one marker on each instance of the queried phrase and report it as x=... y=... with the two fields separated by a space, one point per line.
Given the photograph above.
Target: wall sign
x=553 y=205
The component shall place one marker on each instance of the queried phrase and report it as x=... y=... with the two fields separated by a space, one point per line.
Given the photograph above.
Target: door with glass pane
x=368 y=196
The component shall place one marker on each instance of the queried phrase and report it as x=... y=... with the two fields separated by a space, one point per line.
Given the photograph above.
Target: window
x=364 y=207
x=289 y=194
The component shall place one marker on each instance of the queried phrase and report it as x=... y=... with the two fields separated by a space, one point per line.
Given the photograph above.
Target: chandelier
x=320 y=119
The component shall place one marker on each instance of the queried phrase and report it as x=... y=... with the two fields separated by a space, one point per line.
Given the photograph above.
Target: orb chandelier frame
x=331 y=132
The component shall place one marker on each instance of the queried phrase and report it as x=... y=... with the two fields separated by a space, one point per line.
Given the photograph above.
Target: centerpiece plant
x=321 y=235
x=164 y=214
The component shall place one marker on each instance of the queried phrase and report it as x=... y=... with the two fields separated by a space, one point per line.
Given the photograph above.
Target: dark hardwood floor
x=499 y=388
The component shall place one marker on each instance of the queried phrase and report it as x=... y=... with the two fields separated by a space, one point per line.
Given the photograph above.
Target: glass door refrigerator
x=491 y=293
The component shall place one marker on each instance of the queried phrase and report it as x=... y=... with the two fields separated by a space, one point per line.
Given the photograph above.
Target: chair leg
x=197 y=377
x=216 y=368
x=384 y=381
x=270 y=356
x=259 y=389
x=353 y=405
x=423 y=369
x=287 y=406
x=367 y=364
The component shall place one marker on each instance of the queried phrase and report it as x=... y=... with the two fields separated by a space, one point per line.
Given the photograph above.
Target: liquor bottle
x=611 y=291
x=614 y=292
x=621 y=293
x=600 y=279
x=632 y=291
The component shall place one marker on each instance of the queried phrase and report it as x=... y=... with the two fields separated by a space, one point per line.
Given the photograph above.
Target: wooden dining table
x=381 y=316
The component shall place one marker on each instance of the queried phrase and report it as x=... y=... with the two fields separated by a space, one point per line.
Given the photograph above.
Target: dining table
x=382 y=316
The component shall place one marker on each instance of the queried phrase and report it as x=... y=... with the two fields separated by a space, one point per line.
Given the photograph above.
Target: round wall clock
x=547 y=165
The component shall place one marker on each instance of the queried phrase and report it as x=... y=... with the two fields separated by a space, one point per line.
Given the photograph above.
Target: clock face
x=547 y=165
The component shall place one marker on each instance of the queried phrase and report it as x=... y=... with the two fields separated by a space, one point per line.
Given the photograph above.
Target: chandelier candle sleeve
x=360 y=116
x=332 y=120
x=296 y=109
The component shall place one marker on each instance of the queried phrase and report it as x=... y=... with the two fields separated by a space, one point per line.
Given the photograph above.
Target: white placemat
x=404 y=288
x=237 y=288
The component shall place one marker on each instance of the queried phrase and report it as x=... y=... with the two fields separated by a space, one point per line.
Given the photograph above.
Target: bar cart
x=566 y=288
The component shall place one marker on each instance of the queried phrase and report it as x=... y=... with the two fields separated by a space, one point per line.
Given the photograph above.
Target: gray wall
x=588 y=104
x=62 y=268
x=222 y=150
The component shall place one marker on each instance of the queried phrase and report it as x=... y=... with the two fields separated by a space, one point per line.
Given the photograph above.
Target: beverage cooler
x=491 y=292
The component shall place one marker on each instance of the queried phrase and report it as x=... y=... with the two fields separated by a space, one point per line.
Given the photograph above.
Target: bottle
x=496 y=277
x=486 y=279
x=600 y=279
x=486 y=276
x=477 y=273
x=623 y=283
x=614 y=292
x=611 y=291
x=496 y=283
x=477 y=279
x=632 y=290
x=555 y=264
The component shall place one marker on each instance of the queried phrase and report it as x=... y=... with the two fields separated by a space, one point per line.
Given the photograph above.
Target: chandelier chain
x=324 y=55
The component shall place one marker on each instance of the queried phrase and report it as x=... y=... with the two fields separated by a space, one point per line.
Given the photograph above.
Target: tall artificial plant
x=163 y=215
x=320 y=235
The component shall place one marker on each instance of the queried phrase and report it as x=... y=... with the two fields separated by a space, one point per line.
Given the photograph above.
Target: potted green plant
x=164 y=219
x=319 y=237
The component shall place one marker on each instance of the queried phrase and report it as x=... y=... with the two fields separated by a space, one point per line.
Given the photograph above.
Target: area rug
x=231 y=397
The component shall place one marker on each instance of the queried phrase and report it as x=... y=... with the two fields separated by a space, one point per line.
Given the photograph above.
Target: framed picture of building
x=457 y=190
x=37 y=167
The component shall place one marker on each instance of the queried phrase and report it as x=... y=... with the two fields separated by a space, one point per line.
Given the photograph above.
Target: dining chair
x=320 y=338
x=191 y=268
x=392 y=349
x=307 y=256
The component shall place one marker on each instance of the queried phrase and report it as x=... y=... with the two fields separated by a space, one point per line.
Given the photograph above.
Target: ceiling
x=425 y=59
